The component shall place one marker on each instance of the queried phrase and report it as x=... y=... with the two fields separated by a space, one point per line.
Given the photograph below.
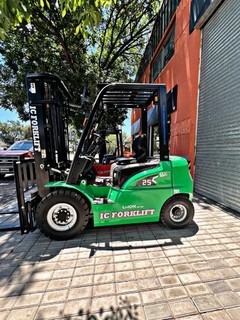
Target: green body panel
x=182 y=180
x=131 y=207
x=82 y=188
x=141 y=197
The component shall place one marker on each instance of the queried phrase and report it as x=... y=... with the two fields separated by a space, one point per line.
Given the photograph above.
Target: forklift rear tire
x=63 y=214
x=177 y=212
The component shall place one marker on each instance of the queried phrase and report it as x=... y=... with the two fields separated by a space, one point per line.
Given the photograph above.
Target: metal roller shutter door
x=217 y=163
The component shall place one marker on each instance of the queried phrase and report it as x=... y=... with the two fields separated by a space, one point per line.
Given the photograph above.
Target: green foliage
x=12 y=131
x=13 y=12
x=84 y=42
x=121 y=37
x=27 y=132
x=126 y=139
x=47 y=45
x=112 y=142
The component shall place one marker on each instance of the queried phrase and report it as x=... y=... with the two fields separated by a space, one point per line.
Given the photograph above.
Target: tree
x=47 y=44
x=121 y=37
x=13 y=12
x=11 y=131
x=50 y=43
x=27 y=132
x=112 y=142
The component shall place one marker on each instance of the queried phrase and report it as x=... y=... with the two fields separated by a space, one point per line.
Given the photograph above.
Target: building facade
x=194 y=49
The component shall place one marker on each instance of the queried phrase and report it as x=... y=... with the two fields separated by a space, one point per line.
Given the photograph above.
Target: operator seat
x=124 y=168
x=139 y=147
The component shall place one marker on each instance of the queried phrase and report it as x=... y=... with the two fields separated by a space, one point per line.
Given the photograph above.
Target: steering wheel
x=101 y=139
x=96 y=144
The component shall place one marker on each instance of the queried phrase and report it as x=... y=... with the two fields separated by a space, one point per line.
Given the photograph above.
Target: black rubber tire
x=177 y=212
x=48 y=214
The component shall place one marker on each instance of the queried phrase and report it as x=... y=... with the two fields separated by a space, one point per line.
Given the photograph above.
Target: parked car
x=18 y=151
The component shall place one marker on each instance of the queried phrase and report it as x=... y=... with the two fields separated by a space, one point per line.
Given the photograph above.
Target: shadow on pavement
x=167 y=238
x=126 y=311
x=208 y=204
x=144 y=236
x=25 y=259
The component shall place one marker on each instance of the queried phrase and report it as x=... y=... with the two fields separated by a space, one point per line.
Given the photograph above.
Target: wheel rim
x=178 y=213
x=62 y=217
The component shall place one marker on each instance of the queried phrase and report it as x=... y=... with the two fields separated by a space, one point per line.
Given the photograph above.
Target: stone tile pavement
x=133 y=272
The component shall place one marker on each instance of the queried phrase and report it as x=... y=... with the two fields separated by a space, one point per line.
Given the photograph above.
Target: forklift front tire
x=177 y=212
x=63 y=214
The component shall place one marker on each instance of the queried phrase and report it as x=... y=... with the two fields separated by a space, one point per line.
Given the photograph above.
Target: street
x=7 y=190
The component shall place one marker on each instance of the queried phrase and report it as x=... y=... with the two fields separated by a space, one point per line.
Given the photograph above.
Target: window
x=165 y=54
x=165 y=14
x=157 y=65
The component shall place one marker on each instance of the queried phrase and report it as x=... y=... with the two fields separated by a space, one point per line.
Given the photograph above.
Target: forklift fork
x=27 y=195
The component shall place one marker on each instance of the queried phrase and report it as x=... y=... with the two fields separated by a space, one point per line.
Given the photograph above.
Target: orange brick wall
x=182 y=70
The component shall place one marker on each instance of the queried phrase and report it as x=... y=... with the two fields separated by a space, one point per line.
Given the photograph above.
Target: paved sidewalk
x=133 y=272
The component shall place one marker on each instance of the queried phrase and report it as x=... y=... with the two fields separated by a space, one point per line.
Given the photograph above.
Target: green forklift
x=141 y=189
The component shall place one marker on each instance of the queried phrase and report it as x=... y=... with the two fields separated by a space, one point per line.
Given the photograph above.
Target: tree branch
x=127 y=44
x=55 y=31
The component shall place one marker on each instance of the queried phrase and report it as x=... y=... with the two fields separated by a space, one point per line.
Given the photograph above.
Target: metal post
x=162 y=120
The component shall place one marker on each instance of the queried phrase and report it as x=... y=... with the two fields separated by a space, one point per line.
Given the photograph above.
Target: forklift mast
x=49 y=112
